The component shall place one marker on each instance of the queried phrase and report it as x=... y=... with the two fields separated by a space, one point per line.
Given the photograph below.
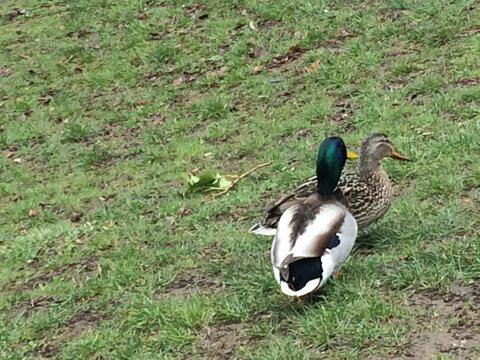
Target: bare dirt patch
x=220 y=340
x=449 y=323
x=85 y=320
x=468 y=82
x=126 y=135
x=28 y=307
x=212 y=252
x=344 y=112
x=222 y=139
x=75 y=271
x=295 y=52
x=191 y=281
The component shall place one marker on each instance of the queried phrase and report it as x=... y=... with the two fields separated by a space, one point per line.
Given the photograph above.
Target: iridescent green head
x=331 y=158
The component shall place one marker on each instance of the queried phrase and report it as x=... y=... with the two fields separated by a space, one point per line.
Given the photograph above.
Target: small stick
x=235 y=182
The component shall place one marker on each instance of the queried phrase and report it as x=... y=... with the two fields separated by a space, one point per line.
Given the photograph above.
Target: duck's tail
x=259 y=229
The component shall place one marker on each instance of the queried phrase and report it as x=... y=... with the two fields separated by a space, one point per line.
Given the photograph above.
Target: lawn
x=107 y=106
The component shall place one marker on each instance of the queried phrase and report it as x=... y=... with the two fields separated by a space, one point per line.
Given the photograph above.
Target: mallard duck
x=366 y=193
x=314 y=237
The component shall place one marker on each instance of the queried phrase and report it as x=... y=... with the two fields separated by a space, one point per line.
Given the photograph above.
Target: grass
x=106 y=106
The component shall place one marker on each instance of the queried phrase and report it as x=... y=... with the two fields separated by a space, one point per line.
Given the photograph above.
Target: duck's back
x=367 y=197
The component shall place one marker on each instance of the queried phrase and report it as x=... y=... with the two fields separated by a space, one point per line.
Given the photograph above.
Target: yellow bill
x=351 y=155
x=395 y=154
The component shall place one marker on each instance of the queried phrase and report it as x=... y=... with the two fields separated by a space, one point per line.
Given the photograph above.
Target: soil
x=28 y=307
x=221 y=339
x=82 y=269
x=191 y=281
x=449 y=324
x=88 y=319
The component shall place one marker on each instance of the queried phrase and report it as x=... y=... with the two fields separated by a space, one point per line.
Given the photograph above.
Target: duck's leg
x=301 y=299
x=336 y=274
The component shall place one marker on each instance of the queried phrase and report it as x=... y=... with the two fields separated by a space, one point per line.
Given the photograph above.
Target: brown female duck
x=367 y=193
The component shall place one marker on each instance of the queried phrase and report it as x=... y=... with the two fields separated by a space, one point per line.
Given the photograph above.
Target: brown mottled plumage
x=366 y=193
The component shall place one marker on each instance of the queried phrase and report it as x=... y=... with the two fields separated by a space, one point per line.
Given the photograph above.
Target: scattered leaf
x=62 y=27
x=150 y=76
x=223 y=47
x=472 y=30
x=157 y=35
x=257 y=52
x=17 y=161
x=223 y=182
x=256 y=70
x=293 y=53
x=192 y=8
x=170 y=30
x=411 y=96
x=465 y=198
x=207 y=180
x=184 y=78
x=25 y=57
x=77 y=70
x=313 y=65
x=9 y=154
x=44 y=100
x=16 y=12
x=157 y=118
x=178 y=80
x=76 y=216
x=344 y=33
x=252 y=26
x=203 y=16
x=469 y=81
x=33 y=212
x=107 y=197
x=239 y=26
x=5 y=71
x=184 y=211
x=241 y=105
x=140 y=102
x=196 y=182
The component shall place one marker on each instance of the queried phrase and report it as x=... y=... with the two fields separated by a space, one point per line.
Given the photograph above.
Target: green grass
x=94 y=121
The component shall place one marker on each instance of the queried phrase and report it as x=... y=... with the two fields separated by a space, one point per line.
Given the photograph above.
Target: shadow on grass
x=376 y=237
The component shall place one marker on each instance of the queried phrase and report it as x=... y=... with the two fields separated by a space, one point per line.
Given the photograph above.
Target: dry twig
x=235 y=182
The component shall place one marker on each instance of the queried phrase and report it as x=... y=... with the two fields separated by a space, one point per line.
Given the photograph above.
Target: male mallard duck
x=366 y=193
x=315 y=236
